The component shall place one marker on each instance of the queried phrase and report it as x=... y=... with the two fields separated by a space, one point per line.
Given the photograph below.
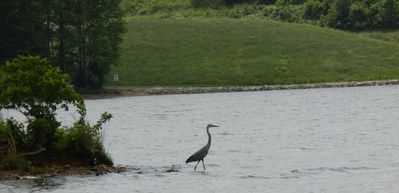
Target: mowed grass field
x=222 y=52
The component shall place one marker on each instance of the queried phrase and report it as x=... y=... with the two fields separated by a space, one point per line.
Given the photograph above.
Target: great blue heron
x=201 y=153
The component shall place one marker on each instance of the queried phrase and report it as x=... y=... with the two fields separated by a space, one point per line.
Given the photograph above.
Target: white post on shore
x=116 y=77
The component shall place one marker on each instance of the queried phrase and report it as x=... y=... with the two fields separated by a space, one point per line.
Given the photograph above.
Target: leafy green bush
x=18 y=133
x=33 y=87
x=338 y=17
x=360 y=15
x=315 y=9
x=102 y=157
x=3 y=132
x=14 y=162
x=14 y=129
x=285 y=12
x=83 y=138
x=239 y=11
x=41 y=132
x=208 y=3
x=30 y=85
x=147 y=7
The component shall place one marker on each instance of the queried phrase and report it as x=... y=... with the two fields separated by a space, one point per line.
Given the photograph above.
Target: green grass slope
x=389 y=36
x=211 y=52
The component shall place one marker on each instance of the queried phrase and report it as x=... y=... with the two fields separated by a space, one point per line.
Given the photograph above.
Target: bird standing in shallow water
x=201 y=153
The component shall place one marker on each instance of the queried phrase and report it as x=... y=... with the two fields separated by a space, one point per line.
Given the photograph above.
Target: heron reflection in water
x=201 y=153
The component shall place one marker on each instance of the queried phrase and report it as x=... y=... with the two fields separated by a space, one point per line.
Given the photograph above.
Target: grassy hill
x=388 y=36
x=221 y=51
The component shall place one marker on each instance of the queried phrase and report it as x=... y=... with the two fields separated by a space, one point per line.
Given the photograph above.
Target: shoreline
x=151 y=91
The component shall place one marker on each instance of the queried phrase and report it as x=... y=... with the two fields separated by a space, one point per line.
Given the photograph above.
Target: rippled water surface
x=317 y=140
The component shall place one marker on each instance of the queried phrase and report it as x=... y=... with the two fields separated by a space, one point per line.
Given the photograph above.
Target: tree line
x=350 y=15
x=80 y=37
x=354 y=14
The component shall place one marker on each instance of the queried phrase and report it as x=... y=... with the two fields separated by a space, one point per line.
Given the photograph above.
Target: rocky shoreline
x=116 y=92
x=65 y=170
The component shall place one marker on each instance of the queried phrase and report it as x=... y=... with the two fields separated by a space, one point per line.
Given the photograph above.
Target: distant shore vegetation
x=351 y=15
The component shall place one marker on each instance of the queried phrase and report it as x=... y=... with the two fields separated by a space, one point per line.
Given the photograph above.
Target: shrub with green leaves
x=83 y=138
x=147 y=7
x=33 y=87
x=15 y=129
x=30 y=85
x=208 y=3
x=14 y=162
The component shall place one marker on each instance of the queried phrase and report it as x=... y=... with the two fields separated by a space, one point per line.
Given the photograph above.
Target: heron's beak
x=213 y=125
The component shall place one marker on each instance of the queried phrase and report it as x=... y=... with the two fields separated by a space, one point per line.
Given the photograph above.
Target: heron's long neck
x=209 y=138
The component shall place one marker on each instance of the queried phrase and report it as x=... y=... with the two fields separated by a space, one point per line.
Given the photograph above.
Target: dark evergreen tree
x=99 y=25
x=22 y=29
x=389 y=14
x=80 y=37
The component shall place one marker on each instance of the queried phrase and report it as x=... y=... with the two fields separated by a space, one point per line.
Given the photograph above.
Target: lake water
x=342 y=140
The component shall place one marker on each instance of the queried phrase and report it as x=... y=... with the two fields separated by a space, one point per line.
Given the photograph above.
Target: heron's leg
x=203 y=164
x=196 y=165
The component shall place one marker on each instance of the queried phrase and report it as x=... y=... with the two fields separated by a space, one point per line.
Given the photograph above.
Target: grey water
x=331 y=140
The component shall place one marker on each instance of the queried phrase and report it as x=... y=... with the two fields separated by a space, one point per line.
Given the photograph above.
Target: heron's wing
x=199 y=155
